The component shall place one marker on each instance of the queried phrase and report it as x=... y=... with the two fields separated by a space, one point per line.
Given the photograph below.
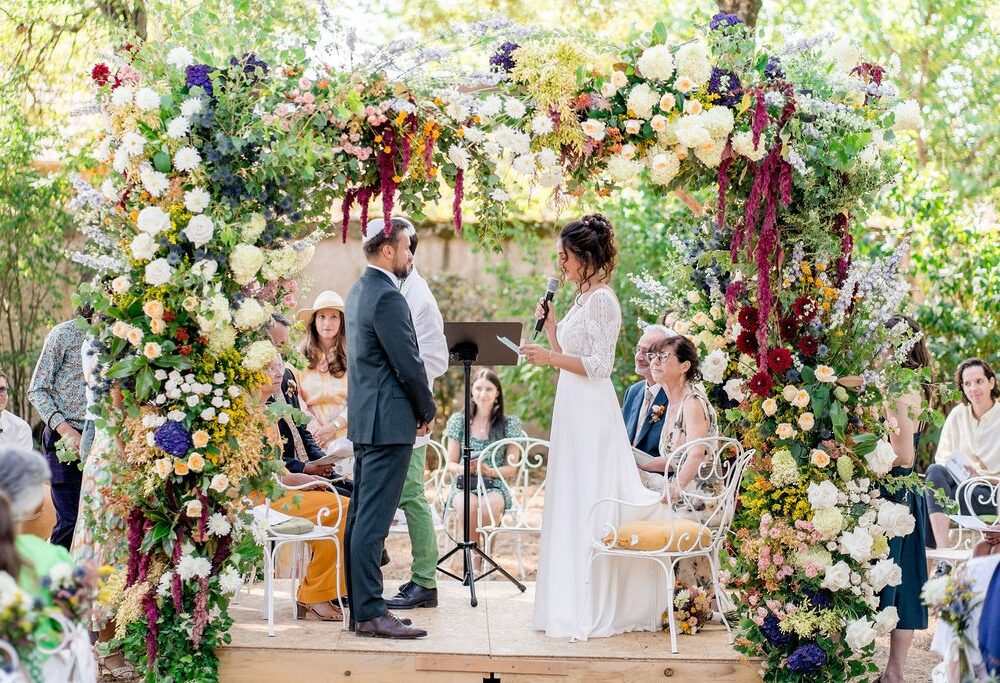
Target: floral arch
x=215 y=172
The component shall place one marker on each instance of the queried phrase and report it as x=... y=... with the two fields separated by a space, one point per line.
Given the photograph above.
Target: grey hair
x=662 y=329
x=22 y=475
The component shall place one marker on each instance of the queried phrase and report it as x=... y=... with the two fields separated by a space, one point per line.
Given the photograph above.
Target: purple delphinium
x=820 y=598
x=198 y=75
x=249 y=62
x=806 y=658
x=775 y=636
x=503 y=58
x=722 y=19
x=773 y=68
x=173 y=438
x=726 y=85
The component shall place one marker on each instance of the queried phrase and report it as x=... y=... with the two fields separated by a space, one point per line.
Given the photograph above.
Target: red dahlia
x=749 y=318
x=100 y=73
x=788 y=328
x=779 y=359
x=747 y=342
x=808 y=346
x=804 y=309
x=761 y=384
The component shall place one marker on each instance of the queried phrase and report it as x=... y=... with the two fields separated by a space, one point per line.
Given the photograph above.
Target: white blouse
x=977 y=439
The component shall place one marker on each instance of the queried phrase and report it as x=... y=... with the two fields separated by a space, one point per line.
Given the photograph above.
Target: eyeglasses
x=642 y=351
x=3 y=390
x=661 y=356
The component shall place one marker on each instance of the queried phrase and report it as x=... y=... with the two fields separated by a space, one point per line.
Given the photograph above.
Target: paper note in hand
x=509 y=344
x=957 y=464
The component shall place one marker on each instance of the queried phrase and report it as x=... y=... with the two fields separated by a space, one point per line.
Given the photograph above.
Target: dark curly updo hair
x=592 y=240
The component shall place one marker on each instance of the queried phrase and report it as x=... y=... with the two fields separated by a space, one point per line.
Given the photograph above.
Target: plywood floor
x=463 y=644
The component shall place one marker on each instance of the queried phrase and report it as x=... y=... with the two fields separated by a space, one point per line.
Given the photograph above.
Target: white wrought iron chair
x=70 y=659
x=10 y=664
x=723 y=464
x=981 y=490
x=326 y=528
x=437 y=484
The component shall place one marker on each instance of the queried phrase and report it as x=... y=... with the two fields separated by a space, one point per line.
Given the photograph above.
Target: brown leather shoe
x=387 y=626
x=352 y=625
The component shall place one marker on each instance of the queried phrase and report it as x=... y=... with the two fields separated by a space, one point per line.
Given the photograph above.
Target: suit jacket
x=313 y=450
x=649 y=431
x=387 y=392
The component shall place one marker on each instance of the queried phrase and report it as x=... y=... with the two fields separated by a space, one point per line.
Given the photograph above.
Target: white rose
x=714 y=366
x=860 y=634
x=147 y=99
x=857 y=544
x=199 y=230
x=196 y=200
x=844 y=55
x=884 y=573
x=619 y=79
x=881 y=458
x=886 y=620
x=824 y=373
x=205 y=268
x=769 y=406
x=186 y=159
x=734 y=389
x=806 y=421
x=153 y=220
x=658 y=123
x=743 y=145
x=633 y=126
x=788 y=393
x=152 y=350
x=593 y=128
x=220 y=483
x=718 y=121
x=837 y=577
x=801 y=399
x=935 y=591
x=668 y=102
x=120 y=284
x=785 y=431
x=656 y=63
x=895 y=519
x=823 y=496
x=143 y=247
x=691 y=132
x=907 y=116
x=158 y=272
x=180 y=57
x=193 y=508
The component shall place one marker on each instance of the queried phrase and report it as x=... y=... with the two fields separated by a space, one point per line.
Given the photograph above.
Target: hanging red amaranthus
x=387 y=173
x=728 y=157
x=841 y=225
x=364 y=197
x=345 y=214
x=456 y=207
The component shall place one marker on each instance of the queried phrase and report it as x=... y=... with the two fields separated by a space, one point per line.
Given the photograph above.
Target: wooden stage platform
x=492 y=642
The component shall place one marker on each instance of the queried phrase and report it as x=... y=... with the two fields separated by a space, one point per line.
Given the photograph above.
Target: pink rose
x=308 y=98
x=128 y=75
x=305 y=83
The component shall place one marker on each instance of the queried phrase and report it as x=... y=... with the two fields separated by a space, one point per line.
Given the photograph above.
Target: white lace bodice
x=590 y=331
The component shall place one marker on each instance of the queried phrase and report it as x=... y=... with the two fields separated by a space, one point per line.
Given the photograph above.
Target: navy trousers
x=66 y=481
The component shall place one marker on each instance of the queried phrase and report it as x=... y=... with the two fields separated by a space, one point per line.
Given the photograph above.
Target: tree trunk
x=747 y=10
x=129 y=14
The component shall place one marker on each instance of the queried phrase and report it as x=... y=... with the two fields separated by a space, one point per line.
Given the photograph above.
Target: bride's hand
x=550 y=319
x=536 y=354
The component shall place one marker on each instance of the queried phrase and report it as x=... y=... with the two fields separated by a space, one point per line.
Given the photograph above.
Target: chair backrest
x=713 y=491
x=526 y=484
x=977 y=492
x=9 y=660
x=437 y=483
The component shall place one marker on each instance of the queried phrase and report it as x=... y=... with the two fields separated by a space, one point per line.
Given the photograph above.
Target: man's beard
x=402 y=271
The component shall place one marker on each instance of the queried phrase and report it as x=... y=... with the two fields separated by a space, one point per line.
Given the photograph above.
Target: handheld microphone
x=550 y=292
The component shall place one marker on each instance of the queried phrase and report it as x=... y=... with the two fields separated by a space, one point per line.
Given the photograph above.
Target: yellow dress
x=324 y=396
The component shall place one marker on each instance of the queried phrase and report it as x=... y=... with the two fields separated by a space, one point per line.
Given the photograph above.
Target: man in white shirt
x=14 y=432
x=421 y=589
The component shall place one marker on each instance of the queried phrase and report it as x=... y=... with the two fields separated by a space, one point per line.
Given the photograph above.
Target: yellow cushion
x=678 y=535
x=43 y=521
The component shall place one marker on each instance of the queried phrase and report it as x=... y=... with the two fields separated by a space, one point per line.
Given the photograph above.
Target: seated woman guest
x=971 y=435
x=489 y=424
x=322 y=384
x=324 y=581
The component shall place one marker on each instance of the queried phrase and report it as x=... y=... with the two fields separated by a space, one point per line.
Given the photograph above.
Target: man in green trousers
x=421 y=589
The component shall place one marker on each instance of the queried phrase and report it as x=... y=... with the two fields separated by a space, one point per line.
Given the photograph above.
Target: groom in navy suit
x=645 y=403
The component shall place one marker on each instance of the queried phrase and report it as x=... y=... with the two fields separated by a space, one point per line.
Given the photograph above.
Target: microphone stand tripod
x=468 y=353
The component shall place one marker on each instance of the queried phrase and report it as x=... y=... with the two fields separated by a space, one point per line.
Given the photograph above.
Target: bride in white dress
x=590 y=458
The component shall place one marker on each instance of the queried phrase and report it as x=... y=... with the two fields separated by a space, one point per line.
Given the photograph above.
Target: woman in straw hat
x=322 y=384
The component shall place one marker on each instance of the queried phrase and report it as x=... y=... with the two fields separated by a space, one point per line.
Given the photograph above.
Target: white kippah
x=377 y=225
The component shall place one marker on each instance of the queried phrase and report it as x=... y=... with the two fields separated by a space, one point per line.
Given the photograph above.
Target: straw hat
x=325 y=299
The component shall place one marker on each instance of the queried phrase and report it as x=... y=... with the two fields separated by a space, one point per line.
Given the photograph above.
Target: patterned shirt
x=58 y=390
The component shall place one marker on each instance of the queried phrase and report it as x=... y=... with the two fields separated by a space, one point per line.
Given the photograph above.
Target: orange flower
x=387 y=149
x=397 y=179
x=460 y=132
x=181 y=468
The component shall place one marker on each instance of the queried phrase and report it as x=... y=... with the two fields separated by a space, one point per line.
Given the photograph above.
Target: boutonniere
x=291 y=388
x=656 y=413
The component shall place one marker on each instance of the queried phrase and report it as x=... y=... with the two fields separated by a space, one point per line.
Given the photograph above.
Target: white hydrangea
x=147 y=99
x=843 y=55
x=259 y=355
x=280 y=263
x=663 y=168
x=245 y=262
x=691 y=131
x=710 y=153
x=196 y=200
x=656 y=63
x=718 y=121
x=154 y=182
x=828 y=523
x=743 y=145
x=622 y=169
x=186 y=159
x=641 y=100
x=250 y=315
x=907 y=116
x=692 y=62
x=254 y=228
x=222 y=339
x=214 y=313
x=178 y=127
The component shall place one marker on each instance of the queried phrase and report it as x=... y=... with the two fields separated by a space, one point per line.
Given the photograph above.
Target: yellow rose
x=220 y=483
x=819 y=458
x=824 y=373
x=785 y=431
x=181 y=468
x=152 y=350
x=157 y=326
x=134 y=336
x=121 y=329
x=200 y=438
x=684 y=84
x=701 y=319
x=801 y=399
x=193 y=508
x=163 y=467
x=153 y=308
x=682 y=327
x=788 y=393
x=770 y=407
x=806 y=421
x=196 y=462
x=189 y=304
x=668 y=102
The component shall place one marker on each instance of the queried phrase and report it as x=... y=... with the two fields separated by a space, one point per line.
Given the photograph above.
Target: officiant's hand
x=319 y=470
x=536 y=354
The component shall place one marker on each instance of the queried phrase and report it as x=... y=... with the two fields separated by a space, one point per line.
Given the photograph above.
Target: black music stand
x=475 y=343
